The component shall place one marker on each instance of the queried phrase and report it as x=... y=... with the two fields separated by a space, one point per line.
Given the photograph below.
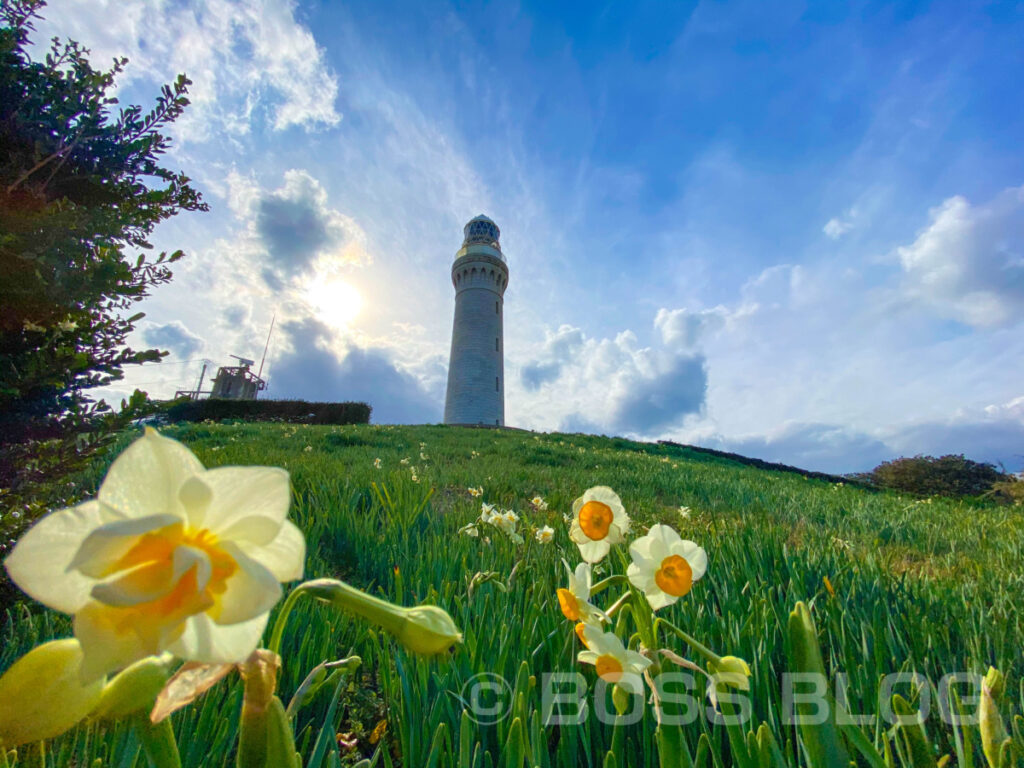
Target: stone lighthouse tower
x=476 y=368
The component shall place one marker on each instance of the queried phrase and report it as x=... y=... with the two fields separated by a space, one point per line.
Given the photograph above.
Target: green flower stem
x=701 y=649
x=617 y=604
x=282 y=618
x=603 y=584
x=381 y=612
x=157 y=741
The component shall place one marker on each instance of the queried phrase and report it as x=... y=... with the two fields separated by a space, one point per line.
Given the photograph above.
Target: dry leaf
x=188 y=684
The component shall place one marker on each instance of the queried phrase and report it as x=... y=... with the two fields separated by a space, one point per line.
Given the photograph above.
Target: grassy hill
x=894 y=583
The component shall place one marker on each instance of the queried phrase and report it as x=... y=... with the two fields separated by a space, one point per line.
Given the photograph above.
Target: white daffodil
x=476 y=492
x=685 y=512
x=614 y=662
x=538 y=503
x=168 y=557
x=665 y=566
x=470 y=530
x=507 y=520
x=598 y=521
x=376 y=463
x=545 y=535
x=575 y=599
x=488 y=513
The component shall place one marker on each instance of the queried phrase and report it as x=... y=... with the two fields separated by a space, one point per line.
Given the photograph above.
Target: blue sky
x=790 y=230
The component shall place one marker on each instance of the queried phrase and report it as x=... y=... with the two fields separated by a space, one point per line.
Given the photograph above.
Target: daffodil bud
x=135 y=688
x=993 y=733
x=620 y=698
x=425 y=629
x=428 y=630
x=732 y=671
x=42 y=694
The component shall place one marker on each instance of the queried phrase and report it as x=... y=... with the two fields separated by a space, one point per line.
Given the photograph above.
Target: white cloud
x=612 y=384
x=293 y=226
x=174 y=337
x=248 y=59
x=968 y=264
x=836 y=228
x=685 y=329
x=313 y=370
x=1014 y=409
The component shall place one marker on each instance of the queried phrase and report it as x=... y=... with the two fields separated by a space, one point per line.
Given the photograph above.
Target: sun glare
x=334 y=301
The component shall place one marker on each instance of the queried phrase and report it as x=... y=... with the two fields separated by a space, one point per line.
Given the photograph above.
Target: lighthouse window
x=496 y=345
x=495 y=307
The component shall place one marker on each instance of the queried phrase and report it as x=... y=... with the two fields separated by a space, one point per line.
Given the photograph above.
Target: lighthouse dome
x=483 y=231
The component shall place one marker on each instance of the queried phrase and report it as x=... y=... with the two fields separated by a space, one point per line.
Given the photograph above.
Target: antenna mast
x=266 y=346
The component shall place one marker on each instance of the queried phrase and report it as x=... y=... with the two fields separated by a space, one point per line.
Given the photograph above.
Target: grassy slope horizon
x=933 y=586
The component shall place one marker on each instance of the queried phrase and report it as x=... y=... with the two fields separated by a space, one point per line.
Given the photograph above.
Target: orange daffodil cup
x=170 y=556
x=665 y=565
x=575 y=600
x=613 y=661
x=598 y=521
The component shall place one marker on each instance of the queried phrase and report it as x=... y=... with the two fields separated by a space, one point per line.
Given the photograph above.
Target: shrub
x=291 y=411
x=81 y=191
x=951 y=475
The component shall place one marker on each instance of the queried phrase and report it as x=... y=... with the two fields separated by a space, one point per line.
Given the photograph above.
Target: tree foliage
x=950 y=475
x=81 y=190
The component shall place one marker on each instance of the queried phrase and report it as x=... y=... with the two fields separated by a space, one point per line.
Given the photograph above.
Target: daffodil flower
x=476 y=492
x=599 y=520
x=545 y=535
x=488 y=512
x=665 y=566
x=575 y=600
x=168 y=557
x=507 y=521
x=613 y=661
x=539 y=504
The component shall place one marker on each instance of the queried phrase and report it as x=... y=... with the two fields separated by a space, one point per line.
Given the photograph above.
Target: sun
x=334 y=301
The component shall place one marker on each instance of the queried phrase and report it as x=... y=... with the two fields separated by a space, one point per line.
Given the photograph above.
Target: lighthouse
x=476 y=367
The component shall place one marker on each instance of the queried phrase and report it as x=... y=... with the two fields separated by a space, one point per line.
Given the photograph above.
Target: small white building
x=237 y=382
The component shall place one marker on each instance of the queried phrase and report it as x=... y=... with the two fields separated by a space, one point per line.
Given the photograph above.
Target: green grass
x=931 y=586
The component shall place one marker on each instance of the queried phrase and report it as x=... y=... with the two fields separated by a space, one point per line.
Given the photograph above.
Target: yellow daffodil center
x=569 y=604
x=595 y=519
x=609 y=668
x=675 y=577
x=149 y=568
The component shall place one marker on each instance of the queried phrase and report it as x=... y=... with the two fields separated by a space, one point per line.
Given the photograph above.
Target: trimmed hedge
x=291 y=411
